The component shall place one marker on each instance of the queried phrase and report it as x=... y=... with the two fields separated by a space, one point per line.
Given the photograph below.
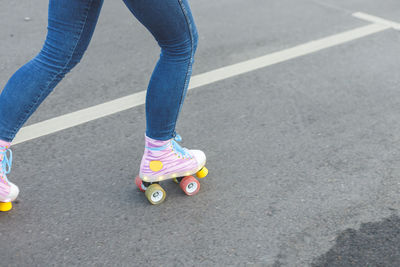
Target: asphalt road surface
x=304 y=154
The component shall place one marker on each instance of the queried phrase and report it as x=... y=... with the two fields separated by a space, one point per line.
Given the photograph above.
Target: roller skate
x=164 y=160
x=8 y=190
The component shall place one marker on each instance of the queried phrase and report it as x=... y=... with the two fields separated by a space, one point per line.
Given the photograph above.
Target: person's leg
x=70 y=27
x=171 y=23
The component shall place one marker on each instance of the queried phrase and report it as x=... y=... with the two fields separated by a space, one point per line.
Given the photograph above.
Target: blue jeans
x=71 y=24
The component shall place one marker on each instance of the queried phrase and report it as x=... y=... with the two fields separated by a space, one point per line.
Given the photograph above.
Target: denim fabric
x=71 y=24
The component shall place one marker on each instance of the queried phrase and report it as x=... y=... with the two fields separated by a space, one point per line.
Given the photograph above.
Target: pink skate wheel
x=139 y=183
x=190 y=185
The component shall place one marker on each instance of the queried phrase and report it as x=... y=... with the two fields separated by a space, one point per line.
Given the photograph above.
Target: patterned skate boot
x=164 y=160
x=8 y=190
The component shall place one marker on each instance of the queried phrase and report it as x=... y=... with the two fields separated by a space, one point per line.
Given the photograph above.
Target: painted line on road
x=108 y=108
x=376 y=20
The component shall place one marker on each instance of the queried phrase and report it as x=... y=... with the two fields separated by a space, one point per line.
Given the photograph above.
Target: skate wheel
x=190 y=185
x=139 y=184
x=5 y=206
x=155 y=194
x=177 y=180
x=202 y=173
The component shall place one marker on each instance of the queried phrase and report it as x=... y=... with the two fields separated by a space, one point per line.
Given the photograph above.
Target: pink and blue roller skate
x=8 y=190
x=164 y=160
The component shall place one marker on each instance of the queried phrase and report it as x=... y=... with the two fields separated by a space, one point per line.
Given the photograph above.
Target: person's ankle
x=4 y=145
x=151 y=142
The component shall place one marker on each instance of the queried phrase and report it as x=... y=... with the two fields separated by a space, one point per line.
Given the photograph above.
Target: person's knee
x=58 y=59
x=181 y=50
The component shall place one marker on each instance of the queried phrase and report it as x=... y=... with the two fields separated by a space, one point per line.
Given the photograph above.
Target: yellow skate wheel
x=5 y=206
x=202 y=173
x=175 y=180
x=155 y=194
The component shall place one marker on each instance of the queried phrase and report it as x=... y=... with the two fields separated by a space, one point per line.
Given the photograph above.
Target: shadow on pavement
x=374 y=244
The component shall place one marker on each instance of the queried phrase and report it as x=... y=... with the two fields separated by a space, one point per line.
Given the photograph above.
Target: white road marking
x=95 y=112
x=377 y=20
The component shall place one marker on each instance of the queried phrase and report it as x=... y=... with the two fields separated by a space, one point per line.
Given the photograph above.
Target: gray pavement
x=303 y=155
